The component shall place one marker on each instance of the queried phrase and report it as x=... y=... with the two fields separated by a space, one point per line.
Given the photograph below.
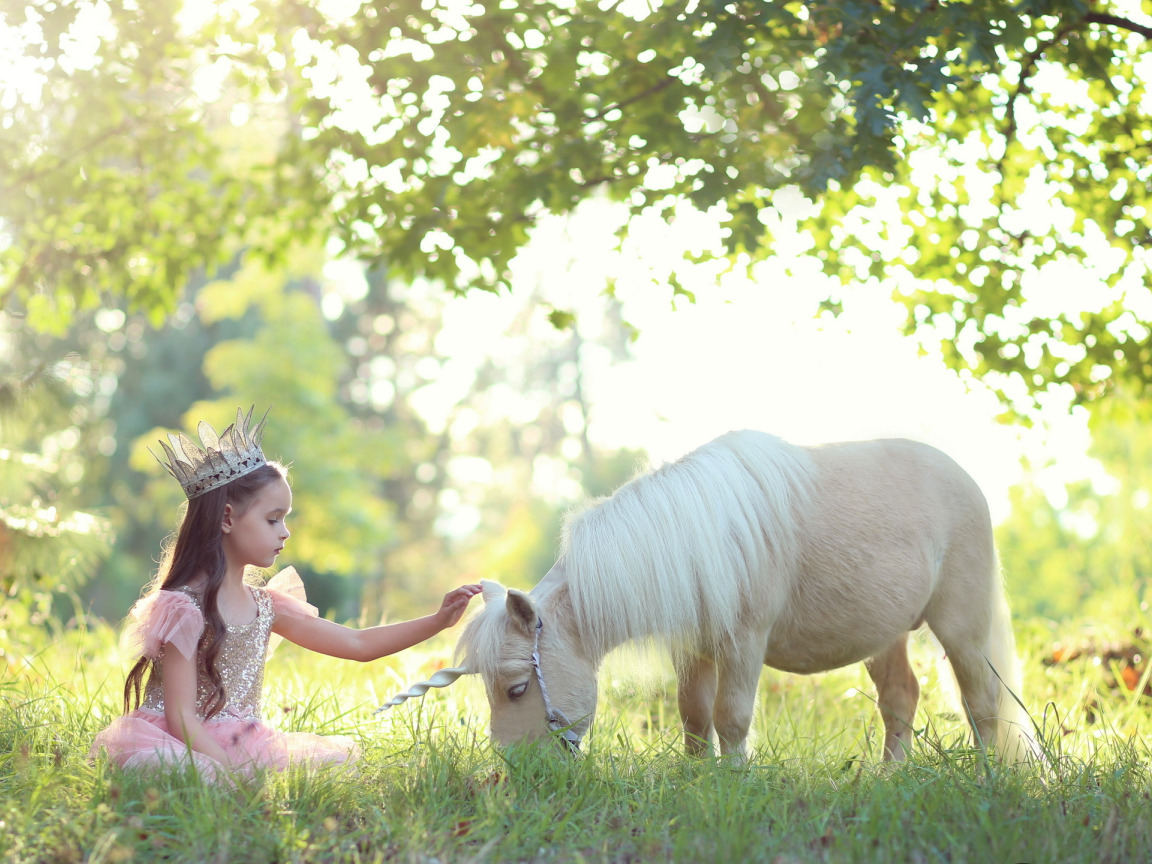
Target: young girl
x=204 y=633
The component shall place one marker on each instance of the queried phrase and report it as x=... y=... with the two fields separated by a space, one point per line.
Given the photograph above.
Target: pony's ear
x=491 y=591
x=521 y=610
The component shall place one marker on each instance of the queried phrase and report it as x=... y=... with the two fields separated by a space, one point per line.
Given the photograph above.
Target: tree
x=48 y=545
x=482 y=417
x=112 y=186
x=258 y=337
x=966 y=150
x=1088 y=555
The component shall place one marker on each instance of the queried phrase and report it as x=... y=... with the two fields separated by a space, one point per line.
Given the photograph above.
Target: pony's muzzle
x=571 y=741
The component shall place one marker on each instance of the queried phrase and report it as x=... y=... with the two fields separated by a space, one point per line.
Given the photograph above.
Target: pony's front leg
x=897 y=692
x=695 y=693
x=739 y=676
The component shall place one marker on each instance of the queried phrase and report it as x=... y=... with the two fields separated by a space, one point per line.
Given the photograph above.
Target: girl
x=203 y=635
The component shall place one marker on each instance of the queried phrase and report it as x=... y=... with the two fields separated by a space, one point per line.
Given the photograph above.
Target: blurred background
x=376 y=222
x=433 y=439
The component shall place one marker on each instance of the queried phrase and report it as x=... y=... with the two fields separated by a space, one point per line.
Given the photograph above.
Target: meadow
x=430 y=789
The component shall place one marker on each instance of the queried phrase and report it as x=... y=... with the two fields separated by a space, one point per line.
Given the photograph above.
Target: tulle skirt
x=141 y=739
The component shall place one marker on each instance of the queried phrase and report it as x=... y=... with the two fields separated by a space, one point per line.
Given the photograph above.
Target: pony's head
x=538 y=681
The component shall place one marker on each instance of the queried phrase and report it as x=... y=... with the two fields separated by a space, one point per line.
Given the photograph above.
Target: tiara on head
x=224 y=457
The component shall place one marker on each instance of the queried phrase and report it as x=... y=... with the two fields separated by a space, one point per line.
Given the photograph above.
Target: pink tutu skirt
x=141 y=739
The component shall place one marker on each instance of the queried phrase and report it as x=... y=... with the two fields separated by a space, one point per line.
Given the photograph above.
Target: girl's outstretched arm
x=371 y=643
x=179 y=680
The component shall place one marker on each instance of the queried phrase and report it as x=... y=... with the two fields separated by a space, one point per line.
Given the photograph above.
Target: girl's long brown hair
x=198 y=551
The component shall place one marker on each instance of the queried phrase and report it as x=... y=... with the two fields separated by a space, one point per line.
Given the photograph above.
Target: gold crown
x=224 y=457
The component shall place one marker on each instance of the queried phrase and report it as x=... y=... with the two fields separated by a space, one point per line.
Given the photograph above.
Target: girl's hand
x=455 y=602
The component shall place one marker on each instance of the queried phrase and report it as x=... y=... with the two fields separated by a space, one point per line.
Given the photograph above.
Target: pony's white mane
x=677 y=555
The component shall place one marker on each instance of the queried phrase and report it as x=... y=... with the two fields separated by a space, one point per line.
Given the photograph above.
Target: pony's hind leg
x=979 y=688
x=897 y=692
x=695 y=694
x=976 y=635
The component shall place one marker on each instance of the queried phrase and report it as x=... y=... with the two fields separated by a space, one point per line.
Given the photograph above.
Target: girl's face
x=256 y=536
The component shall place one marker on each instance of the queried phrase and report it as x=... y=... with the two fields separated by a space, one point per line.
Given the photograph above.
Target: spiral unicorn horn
x=440 y=679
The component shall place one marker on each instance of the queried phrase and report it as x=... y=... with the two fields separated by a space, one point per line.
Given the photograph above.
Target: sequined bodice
x=240 y=664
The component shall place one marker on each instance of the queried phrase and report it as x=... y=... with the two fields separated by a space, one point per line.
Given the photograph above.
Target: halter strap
x=557 y=722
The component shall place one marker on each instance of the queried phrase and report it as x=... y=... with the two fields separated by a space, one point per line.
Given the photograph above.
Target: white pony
x=750 y=551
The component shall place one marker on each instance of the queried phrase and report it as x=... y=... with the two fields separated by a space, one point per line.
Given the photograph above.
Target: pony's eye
x=518 y=691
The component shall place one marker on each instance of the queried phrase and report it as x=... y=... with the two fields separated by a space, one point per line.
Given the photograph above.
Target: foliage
x=1023 y=216
x=1089 y=553
x=1040 y=582
x=430 y=787
x=253 y=337
x=114 y=186
x=49 y=543
x=973 y=151
x=293 y=366
x=412 y=469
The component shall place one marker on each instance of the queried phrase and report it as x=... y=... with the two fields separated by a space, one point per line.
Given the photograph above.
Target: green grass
x=430 y=788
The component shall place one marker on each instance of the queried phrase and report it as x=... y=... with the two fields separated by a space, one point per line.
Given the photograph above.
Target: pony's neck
x=554 y=580
x=553 y=602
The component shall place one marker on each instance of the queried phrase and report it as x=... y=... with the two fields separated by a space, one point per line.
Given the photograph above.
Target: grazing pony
x=750 y=551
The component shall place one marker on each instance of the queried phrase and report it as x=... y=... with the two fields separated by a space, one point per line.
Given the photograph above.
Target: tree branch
x=1028 y=64
x=1117 y=21
x=644 y=94
x=1024 y=87
x=63 y=161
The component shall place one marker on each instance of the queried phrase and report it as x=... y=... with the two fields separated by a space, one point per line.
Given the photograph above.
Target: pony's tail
x=1014 y=730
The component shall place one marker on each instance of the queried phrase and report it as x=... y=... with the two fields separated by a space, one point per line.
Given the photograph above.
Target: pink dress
x=172 y=620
